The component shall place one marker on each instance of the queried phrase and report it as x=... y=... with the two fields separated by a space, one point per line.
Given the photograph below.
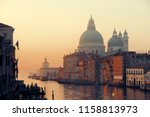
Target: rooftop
x=5 y=26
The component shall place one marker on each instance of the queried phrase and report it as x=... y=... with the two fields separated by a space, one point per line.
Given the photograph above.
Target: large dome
x=91 y=40
x=91 y=36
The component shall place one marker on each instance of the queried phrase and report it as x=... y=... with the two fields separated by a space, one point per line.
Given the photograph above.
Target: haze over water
x=88 y=92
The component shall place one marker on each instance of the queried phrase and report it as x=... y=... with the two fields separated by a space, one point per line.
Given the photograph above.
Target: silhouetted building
x=8 y=63
x=10 y=87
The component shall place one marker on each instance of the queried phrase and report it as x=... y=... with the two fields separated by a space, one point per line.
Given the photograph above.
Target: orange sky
x=52 y=28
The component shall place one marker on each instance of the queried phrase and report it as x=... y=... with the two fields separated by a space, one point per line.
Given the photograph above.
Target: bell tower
x=125 y=41
x=45 y=64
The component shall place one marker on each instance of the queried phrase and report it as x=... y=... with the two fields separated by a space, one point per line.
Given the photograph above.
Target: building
x=81 y=66
x=48 y=73
x=138 y=77
x=61 y=73
x=135 y=77
x=7 y=33
x=91 y=41
x=84 y=64
x=118 y=42
x=117 y=63
x=89 y=68
x=10 y=87
x=71 y=65
x=112 y=69
x=118 y=69
x=147 y=80
x=8 y=63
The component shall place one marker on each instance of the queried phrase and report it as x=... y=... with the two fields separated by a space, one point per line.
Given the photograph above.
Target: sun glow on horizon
x=52 y=28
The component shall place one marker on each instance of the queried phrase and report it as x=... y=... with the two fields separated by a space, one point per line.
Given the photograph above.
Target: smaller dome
x=115 y=41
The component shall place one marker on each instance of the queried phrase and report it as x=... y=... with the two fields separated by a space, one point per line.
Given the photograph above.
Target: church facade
x=85 y=64
x=91 y=41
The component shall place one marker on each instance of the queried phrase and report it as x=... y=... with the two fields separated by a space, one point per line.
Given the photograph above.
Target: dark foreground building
x=10 y=88
x=7 y=62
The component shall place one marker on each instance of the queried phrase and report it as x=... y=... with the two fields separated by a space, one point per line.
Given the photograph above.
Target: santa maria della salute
x=92 y=63
x=91 y=41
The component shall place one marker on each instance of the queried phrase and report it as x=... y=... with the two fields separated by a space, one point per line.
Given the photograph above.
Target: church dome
x=91 y=36
x=115 y=41
x=91 y=41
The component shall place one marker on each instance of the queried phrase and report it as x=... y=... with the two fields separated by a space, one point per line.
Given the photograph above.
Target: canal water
x=88 y=92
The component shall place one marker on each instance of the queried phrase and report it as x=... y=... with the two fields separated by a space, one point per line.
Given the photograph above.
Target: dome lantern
x=91 y=25
x=114 y=33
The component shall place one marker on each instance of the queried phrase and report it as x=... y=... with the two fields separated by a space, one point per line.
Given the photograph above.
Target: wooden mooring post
x=53 y=95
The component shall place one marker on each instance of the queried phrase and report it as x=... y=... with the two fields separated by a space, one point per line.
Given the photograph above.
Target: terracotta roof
x=4 y=25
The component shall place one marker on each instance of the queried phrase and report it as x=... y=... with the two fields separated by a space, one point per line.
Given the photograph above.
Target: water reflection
x=88 y=92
